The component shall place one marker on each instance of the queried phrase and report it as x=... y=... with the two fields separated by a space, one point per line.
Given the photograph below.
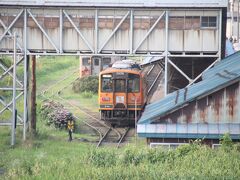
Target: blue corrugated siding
x=187 y=136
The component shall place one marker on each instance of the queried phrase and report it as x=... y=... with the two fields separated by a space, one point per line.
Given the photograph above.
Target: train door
x=96 y=65
x=85 y=66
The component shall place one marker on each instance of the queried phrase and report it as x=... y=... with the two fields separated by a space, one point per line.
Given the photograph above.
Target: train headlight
x=135 y=98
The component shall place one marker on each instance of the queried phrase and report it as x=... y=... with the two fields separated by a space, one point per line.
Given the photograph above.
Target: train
x=93 y=65
x=122 y=93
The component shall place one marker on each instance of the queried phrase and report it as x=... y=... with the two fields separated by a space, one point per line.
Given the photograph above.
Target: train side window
x=85 y=61
x=133 y=83
x=107 y=85
x=120 y=85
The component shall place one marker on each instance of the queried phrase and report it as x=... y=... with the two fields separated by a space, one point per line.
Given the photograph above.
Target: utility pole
x=135 y=120
x=33 y=96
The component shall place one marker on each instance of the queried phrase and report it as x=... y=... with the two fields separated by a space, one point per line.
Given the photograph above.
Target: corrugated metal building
x=207 y=109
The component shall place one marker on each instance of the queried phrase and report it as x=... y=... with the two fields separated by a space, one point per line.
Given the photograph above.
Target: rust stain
x=202 y=104
x=188 y=112
x=232 y=100
x=211 y=109
x=217 y=104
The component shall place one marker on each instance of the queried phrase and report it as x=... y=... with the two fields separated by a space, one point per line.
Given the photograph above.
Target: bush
x=237 y=147
x=87 y=84
x=186 y=149
x=54 y=113
x=102 y=157
x=156 y=155
x=133 y=156
x=226 y=142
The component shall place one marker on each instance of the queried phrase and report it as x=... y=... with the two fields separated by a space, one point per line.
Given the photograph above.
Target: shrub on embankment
x=86 y=84
x=55 y=114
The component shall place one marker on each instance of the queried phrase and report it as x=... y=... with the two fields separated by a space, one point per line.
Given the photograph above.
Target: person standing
x=70 y=126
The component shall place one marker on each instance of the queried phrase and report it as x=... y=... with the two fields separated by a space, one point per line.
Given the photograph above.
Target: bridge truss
x=89 y=32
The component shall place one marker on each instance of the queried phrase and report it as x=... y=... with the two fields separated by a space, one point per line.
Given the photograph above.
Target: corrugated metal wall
x=219 y=107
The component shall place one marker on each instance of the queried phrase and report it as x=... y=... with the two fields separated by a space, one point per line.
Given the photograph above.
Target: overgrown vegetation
x=76 y=161
x=226 y=142
x=86 y=84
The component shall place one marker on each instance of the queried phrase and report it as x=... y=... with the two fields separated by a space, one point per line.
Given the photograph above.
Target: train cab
x=121 y=96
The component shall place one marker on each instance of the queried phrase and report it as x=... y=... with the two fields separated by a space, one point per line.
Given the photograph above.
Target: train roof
x=126 y=64
x=112 y=70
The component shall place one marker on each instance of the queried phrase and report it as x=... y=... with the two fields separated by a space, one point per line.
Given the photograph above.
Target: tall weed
x=102 y=157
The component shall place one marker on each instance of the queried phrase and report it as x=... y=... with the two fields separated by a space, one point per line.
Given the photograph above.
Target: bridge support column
x=26 y=69
x=14 y=109
x=166 y=56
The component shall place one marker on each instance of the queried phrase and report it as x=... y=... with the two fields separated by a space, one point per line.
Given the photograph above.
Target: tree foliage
x=86 y=84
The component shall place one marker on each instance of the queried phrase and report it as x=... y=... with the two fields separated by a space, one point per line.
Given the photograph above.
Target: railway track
x=107 y=134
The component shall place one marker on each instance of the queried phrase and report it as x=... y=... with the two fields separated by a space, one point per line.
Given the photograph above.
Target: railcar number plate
x=120 y=99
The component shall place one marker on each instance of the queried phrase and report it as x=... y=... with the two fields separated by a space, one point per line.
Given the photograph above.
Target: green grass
x=50 y=69
x=78 y=99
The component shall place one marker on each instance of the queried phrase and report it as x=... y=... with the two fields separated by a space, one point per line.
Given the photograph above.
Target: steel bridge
x=107 y=28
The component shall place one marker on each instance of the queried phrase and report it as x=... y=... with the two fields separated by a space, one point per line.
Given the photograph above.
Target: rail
x=123 y=136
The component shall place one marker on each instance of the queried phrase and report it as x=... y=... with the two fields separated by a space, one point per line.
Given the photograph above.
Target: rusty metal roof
x=223 y=74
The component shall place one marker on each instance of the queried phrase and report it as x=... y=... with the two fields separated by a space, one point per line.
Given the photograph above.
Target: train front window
x=133 y=83
x=120 y=85
x=107 y=85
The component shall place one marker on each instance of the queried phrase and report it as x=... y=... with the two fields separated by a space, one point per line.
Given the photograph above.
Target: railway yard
x=108 y=135
x=50 y=154
x=116 y=90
